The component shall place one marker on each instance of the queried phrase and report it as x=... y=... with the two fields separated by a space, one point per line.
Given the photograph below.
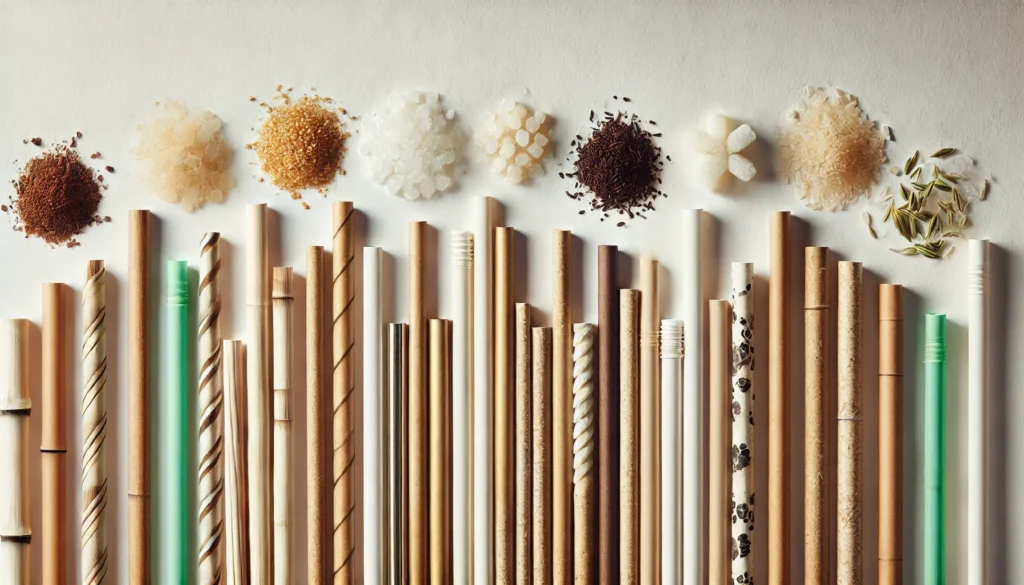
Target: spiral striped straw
x=211 y=420
x=343 y=336
x=583 y=412
x=94 y=425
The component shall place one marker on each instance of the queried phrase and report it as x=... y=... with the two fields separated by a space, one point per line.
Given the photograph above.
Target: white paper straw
x=483 y=398
x=283 y=306
x=672 y=388
x=462 y=400
x=977 y=411
x=693 y=305
x=374 y=563
x=15 y=495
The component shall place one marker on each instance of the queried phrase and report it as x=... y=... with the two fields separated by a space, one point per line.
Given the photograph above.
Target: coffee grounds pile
x=618 y=166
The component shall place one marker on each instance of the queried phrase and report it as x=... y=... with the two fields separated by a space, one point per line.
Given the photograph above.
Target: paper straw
x=977 y=411
x=849 y=528
x=174 y=509
x=890 y=435
x=584 y=416
x=398 y=511
x=374 y=479
x=15 y=491
x=650 y=567
x=440 y=453
x=53 y=447
x=608 y=419
x=692 y=430
x=94 y=425
x=542 y=464
x=210 y=493
x=562 y=503
x=524 y=441
x=418 y=439
x=343 y=383
x=672 y=490
x=138 y=395
x=778 y=401
x=629 y=425
x=483 y=397
x=742 y=528
x=282 y=304
x=316 y=404
x=719 y=403
x=504 y=407
x=934 y=544
x=236 y=491
x=462 y=400
x=817 y=324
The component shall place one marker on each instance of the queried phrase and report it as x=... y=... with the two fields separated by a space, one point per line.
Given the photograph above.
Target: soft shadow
x=430 y=272
x=624 y=268
x=759 y=448
x=191 y=425
x=297 y=401
x=955 y=449
x=801 y=235
x=153 y=387
x=869 y=424
x=227 y=261
x=913 y=434
x=577 y=270
x=521 y=268
x=999 y=463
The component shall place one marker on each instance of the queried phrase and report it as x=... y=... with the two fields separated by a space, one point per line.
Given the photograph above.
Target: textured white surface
x=943 y=73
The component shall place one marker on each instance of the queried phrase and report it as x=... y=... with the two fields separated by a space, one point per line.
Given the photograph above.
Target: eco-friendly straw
x=174 y=409
x=504 y=407
x=691 y=421
x=524 y=442
x=210 y=493
x=316 y=405
x=259 y=395
x=719 y=402
x=374 y=478
x=540 y=352
x=650 y=500
x=398 y=456
x=742 y=457
x=584 y=416
x=236 y=491
x=482 y=568
x=672 y=490
x=343 y=383
x=977 y=411
x=562 y=502
x=849 y=504
x=53 y=447
x=418 y=439
x=629 y=425
x=138 y=395
x=817 y=324
x=282 y=304
x=890 y=435
x=934 y=544
x=94 y=425
x=778 y=401
x=608 y=419
x=440 y=454
x=15 y=493
x=462 y=399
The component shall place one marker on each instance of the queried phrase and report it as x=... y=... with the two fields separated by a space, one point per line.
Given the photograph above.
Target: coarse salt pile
x=516 y=140
x=410 y=145
x=183 y=156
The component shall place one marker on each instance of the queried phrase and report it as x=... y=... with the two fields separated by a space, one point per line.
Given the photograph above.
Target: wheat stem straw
x=849 y=504
x=94 y=424
x=236 y=492
x=650 y=568
x=282 y=304
x=817 y=323
x=890 y=435
x=343 y=386
x=483 y=397
x=692 y=431
x=138 y=395
x=174 y=408
x=584 y=416
x=562 y=503
x=977 y=412
x=15 y=493
x=540 y=352
x=523 y=442
x=374 y=478
x=210 y=492
x=259 y=377
x=629 y=417
x=504 y=407
x=934 y=545
x=607 y=418
x=778 y=401
x=742 y=529
x=398 y=456
x=440 y=454
x=673 y=345
x=719 y=403
x=53 y=447
x=316 y=403
x=418 y=439
x=462 y=405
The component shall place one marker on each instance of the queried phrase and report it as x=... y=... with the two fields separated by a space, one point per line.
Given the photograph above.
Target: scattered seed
x=942 y=153
x=895 y=171
x=911 y=162
x=871 y=231
x=983 y=192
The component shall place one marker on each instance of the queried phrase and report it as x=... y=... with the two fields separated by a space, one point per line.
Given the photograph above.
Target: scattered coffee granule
x=37 y=141
x=95 y=155
x=109 y=169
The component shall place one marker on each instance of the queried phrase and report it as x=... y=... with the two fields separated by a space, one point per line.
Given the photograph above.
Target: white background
x=941 y=74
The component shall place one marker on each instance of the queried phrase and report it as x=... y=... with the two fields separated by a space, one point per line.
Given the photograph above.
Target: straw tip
x=935 y=327
x=177 y=279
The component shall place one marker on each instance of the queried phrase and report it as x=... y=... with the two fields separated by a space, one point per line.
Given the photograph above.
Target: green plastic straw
x=934 y=448
x=174 y=420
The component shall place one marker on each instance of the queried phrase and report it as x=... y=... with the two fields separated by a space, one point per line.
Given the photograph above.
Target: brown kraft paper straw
x=778 y=401
x=816 y=429
x=719 y=444
x=650 y=389
x=504 y=408
x=53 y=449
x=849 y=528
x=629 y=427
x=541 y=416
x=524 y=433
x=890 y=434
x=418 y=504
x=342 y=389
x=608 y=419
x=138 y=365
x=561 y=389
x=440 y=455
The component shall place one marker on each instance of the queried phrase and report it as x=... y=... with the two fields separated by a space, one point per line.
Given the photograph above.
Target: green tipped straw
x=174 y=538
x=934 y=448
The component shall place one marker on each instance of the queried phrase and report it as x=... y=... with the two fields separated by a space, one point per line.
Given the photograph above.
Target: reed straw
x=742 y=469
x=316 y=405
x=15 y=493
x=692 y=432
x=53 y=447
x=282 y=305
x=462 y=400
x=778 y=400
x=419 y=562
x=719 y=403
x=374 y=479
x=977 y=412
x=174 y=407
x=934 y=515
x=890 y=435
x=236 y=492
x=504 y=407
x=629 y=417
x=440 y=454
x=817 y=324
x=673 y=346
x=398 y=456
x=210 y=492
x=342 y=387
x=584 y=416
x=849 y=505
x=608 y=420
x=540 y=352
x=562 y=503
x=650 y=499
x=138 y=395
x=523 y=442
x=483 y=387
x=94 y=424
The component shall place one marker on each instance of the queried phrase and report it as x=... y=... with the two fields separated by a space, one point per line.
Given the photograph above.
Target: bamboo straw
x=210 y=493
x=563 y=505
x=15 y=493
x=316 y=403
x=418 y=439
x=817 y=322
x=742 y=529
x=584 y=479
x=541 y=419
x=483 y=397
x=673 y=352
x=375 y=561
x=94 y=424
x=691 y=530
x=934 y=541
x=523 y=442
x=650 y=568
x=504 y=407
x=342 y=387
x=462 y=399
x=440 y=455
x=977 y=412
x=608 y=420
x=890 y=435
x=282 y=303
x=138 y=395
x=719 y=402
x=53 y=449
x=849 y=530
x=629 y=416
x=398 y=457
x=236 y=491
x=778 y=401
x=174 y=407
